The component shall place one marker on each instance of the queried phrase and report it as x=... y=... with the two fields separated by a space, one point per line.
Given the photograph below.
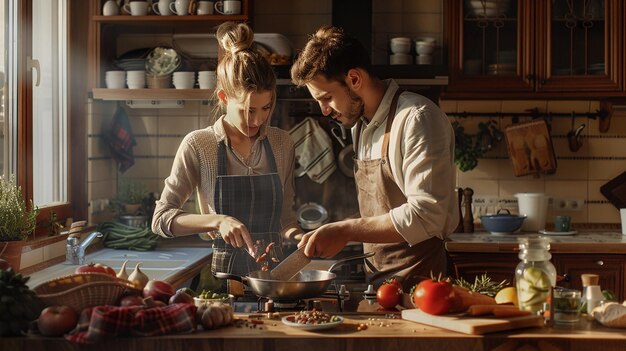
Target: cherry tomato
x=434 y=297
x=95 y=268
x=388 y=295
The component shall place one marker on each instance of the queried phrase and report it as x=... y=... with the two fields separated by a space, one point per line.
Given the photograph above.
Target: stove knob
x=343 y=290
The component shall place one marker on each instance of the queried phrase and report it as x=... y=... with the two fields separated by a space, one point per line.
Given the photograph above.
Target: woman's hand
x=235 y=233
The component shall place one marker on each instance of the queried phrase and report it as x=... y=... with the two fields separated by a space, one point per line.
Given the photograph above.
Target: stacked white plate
x=115 y=79
x=136 y=79
x=424 y=50
x=207 y=79
x=184 y=80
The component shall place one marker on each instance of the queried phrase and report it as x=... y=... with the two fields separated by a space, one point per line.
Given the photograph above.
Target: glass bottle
x=535 y=275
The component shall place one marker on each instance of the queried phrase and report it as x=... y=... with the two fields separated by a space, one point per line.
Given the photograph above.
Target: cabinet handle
x=600 y=263
x=531 y=77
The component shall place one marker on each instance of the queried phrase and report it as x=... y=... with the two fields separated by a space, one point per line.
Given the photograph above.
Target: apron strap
x=221 y=159
x=270 y=155
x=390 y=115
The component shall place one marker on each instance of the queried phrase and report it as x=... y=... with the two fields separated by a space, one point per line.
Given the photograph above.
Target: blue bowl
x=502 y=223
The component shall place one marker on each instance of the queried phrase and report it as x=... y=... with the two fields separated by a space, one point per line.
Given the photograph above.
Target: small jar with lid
x=535 y=275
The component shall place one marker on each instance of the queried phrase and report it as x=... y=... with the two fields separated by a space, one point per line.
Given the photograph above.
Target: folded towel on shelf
x=121 y=140
x=314 y=151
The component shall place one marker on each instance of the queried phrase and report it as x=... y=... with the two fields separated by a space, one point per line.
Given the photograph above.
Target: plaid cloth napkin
x=121 y=140
x=102 y=322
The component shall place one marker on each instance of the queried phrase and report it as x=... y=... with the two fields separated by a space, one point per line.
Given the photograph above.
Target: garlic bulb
x=122 y=273
x=139 y=278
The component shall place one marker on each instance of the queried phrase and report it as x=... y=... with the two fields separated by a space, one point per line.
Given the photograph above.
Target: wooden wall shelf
x=152 y=94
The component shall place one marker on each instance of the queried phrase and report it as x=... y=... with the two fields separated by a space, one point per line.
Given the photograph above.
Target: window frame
x=75 y=207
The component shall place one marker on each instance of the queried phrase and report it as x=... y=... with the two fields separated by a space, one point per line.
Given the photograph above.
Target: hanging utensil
x=574 y=139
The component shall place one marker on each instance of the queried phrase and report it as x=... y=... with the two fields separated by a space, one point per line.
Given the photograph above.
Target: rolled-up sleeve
x=422 y=161
x=179 y=186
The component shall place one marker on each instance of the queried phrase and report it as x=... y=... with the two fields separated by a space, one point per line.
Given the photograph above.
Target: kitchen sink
x=160 y=264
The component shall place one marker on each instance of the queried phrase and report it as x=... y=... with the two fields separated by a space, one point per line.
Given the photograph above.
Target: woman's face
x=257 y=114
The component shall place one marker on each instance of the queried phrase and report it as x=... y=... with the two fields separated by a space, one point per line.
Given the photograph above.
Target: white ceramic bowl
x=423 y=60
x=277 y=43
x=400 y=45
x=400 y=59
x=424 y=48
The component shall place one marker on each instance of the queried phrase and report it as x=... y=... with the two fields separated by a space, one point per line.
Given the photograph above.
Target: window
x=34 y=111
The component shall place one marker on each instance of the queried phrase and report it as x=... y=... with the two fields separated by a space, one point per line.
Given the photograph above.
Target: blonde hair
x=242 y=70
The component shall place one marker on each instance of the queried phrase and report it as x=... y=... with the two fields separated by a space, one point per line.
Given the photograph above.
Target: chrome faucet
x=75 y=250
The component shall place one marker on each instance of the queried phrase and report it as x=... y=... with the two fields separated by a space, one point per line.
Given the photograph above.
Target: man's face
x=336 y=100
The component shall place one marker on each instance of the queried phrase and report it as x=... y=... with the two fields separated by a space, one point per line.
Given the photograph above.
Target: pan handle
x=222 y=275
x=355 y=257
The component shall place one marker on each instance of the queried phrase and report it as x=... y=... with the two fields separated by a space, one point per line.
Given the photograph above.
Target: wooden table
x=394 y=334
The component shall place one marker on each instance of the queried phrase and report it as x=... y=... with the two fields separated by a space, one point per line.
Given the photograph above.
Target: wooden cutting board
x=472 y=325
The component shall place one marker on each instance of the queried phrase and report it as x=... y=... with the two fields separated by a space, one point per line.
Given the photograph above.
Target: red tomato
x=394 y=281
x=434 y=297
x=388 y=295
x=95 y=268
x=57 y=320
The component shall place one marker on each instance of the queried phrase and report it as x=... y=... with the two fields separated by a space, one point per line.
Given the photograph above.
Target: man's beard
x=356 y=108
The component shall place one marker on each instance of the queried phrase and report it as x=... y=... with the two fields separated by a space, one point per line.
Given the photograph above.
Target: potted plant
x=17 y=221
x=130 y=195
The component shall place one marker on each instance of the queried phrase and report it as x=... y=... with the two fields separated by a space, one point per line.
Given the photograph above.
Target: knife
x=290 y=266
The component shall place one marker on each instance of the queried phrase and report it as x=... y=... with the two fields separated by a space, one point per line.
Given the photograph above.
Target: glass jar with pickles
x=535 y=275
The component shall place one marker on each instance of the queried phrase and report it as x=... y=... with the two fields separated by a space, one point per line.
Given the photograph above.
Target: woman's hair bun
x=234 y=37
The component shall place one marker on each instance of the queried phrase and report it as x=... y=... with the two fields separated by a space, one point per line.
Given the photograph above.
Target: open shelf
x=152 y=94
x=189 y=18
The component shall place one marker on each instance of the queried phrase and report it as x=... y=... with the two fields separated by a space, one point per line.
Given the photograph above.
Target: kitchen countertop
x=394 y=334
x=606 y=242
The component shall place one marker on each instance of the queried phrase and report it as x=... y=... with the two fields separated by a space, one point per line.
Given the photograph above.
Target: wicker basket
x=159 y=82
x=83 y=290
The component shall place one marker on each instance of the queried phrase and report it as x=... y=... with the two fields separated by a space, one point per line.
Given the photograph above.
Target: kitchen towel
x=314 y=151
x=102 y=322
x=121 y=140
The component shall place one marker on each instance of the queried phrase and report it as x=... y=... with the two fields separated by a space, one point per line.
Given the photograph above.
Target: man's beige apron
x=378 y=194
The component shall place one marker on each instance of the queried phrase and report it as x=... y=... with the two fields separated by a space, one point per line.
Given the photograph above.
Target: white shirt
x=421 y=152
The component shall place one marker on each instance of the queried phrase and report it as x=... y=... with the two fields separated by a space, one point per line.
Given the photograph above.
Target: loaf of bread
x=611 y=314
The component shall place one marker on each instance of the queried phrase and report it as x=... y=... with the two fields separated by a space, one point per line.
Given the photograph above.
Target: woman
x=241 y=168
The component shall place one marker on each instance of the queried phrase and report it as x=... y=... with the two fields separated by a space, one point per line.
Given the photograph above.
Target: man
x=404 y=167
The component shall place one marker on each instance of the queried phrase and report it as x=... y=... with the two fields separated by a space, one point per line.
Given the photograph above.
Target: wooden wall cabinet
x=534 y=48
x=499 y=266
x=104 y=32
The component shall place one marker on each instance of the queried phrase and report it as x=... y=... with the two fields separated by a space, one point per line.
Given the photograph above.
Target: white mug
x=205 y=8
x=137 y=8
x=180 y=7
x=228 y=7
x=162 y=8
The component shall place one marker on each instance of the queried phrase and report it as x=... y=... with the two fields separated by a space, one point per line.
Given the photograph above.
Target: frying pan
x=345 y=159
x=304 y=285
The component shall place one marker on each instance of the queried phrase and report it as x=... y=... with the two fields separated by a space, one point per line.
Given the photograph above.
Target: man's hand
x=236 y=234
x=325 y=242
